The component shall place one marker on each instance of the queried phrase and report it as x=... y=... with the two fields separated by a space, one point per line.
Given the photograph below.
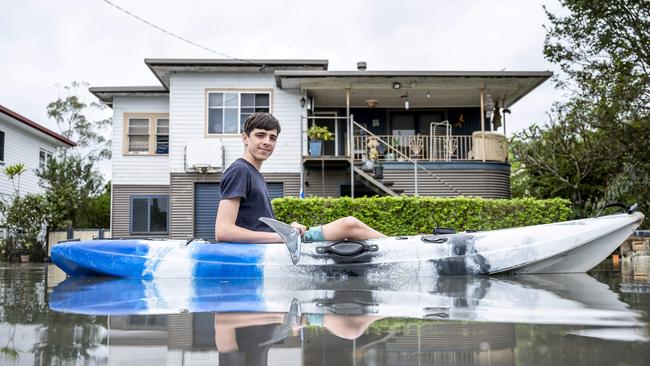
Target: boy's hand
x=300 y=227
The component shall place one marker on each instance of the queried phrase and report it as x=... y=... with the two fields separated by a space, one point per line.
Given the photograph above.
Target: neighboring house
x=172 y=142
x=25 y=141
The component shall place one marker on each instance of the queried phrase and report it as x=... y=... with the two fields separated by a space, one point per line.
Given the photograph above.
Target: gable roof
x=36 y=126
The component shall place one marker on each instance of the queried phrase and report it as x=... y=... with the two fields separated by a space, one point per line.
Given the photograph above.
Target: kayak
x=539 y=299
x=571 y=246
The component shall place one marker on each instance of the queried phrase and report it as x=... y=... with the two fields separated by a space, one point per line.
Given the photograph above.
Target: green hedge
x=412 y=215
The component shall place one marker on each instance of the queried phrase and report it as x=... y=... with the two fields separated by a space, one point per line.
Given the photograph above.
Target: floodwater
x=600 y=318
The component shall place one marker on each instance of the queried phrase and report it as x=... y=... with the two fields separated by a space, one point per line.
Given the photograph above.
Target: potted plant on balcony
x=318 y=134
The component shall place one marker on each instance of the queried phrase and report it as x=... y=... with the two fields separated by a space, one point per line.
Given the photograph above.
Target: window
x=146 y=134
x=227 y=111
x=43 y=157
x=149 y=214
x=162 y=136
x=2 y=146
x=138 y=135
x=154 y=321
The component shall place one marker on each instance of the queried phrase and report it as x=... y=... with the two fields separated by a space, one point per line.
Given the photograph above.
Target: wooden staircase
x=379 y=186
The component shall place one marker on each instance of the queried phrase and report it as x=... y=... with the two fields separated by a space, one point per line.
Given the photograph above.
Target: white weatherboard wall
x=131 y=169
x=188 y=113
x=23 y=145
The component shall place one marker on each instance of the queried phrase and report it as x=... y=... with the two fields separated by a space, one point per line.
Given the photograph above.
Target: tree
x=72 y=183
x=94 y=212
x=70 y=114
x=13 y=172
x=562 y=158
x=603 y=50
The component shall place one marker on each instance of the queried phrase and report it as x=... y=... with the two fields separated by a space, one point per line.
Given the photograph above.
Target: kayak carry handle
x=347 y=248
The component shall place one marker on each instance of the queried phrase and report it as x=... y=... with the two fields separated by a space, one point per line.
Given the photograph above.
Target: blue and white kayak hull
x=572 y=246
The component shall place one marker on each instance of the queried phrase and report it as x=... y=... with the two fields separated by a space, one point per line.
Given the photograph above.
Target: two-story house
x=429 y=131
x=25 y=141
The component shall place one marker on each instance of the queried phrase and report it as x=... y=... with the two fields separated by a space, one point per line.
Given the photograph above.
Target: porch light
x=372 y=103
x=302 y=102
x=397 y=85
x=407 y=104
x=428 y=95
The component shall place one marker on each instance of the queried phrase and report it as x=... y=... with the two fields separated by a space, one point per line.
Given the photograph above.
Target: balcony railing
x=416 y=147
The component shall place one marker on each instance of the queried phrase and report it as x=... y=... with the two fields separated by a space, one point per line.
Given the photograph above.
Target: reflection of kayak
x=541 y=299
x=572 y=246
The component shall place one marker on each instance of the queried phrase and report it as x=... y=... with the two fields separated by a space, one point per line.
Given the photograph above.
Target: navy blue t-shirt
x=243 y=180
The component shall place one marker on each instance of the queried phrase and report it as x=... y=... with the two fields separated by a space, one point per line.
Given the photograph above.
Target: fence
x=81 y=234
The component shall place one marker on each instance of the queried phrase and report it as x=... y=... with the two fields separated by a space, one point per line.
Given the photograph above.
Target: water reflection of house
x=178 y=339
x=444 y=343
x=182 y=338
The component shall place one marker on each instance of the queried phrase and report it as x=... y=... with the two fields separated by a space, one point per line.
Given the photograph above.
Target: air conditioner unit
x=204 y=156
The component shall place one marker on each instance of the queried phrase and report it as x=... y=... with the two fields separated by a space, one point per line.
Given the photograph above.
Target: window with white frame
x=43 y=157
x=146 y=134
x=227 y=111
x=149 y=214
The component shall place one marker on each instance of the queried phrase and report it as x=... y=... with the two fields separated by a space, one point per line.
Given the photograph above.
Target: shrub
x=25 y=217
x=407 y=215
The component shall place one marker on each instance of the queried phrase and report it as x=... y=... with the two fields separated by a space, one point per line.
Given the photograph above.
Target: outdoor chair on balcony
x=416 y=143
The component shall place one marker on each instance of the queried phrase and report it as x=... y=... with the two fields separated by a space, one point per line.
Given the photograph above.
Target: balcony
x=430 y=148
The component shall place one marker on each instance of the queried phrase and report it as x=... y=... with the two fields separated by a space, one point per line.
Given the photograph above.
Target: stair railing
x=416 y=165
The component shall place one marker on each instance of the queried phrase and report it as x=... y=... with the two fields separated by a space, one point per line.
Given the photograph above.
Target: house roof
x=28 y=122
x=107 y=93
x=163 y=67
x=423 y=88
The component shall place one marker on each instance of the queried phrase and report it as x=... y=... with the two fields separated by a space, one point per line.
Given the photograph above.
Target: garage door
x=206 y=201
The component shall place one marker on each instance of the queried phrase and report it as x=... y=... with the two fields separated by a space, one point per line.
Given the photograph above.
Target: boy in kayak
x=244 y=197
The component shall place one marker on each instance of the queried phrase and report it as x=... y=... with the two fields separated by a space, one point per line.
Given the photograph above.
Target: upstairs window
x=146 y=134
x=227 y=111
x=138 y=135
x=43 y=157
x=162 y=136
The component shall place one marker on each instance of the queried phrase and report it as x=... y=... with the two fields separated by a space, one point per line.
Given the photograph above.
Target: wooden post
x=482 y=125
x=350 y=140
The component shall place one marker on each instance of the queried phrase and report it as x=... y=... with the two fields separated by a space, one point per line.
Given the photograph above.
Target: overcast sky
x=48 y=43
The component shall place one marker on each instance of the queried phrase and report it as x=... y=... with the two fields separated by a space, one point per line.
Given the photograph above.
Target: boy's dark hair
x=261 y=120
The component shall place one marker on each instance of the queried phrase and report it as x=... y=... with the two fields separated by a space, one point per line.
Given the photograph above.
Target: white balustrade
x=416 y=147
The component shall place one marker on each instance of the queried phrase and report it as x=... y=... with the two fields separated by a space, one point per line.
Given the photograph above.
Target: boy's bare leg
x=349 y=228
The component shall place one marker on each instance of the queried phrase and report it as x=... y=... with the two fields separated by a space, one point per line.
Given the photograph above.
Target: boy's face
x=260 y=143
